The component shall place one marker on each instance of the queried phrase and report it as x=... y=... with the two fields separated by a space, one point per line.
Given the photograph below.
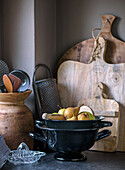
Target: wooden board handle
x=107 y=21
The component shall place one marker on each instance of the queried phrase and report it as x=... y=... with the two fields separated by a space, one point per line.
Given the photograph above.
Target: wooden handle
x=8 y=83
x=16 y=82
x=107 y=21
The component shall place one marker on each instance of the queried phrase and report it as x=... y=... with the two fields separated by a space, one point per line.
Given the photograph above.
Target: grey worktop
x=95 y=161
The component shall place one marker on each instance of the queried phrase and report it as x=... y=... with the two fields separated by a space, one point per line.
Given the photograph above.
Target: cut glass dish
x=24 y=156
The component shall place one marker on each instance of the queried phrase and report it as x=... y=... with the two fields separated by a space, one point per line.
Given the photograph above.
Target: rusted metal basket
x=46 y=93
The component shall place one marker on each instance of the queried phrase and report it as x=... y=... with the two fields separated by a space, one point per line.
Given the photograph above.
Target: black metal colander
x=46 y=93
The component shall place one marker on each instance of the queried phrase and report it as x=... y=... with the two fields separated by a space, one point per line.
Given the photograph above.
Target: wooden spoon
x=7 y=83
x=16 y=82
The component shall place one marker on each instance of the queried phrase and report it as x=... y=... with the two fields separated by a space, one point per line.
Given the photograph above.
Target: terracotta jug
x=16 y=120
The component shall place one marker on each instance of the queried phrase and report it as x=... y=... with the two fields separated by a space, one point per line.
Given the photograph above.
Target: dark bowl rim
x=69 y=130
x=99 y=119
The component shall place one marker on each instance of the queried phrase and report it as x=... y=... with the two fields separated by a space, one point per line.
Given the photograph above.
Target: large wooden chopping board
x=108 y=108
x=81 y=52
x=77 y=81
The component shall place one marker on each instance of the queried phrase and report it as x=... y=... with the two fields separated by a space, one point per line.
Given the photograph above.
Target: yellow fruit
x=53 y=116
x=73 y=118
x=61 y=111
x=85 y=116
x=71 y=111
x=76 y=110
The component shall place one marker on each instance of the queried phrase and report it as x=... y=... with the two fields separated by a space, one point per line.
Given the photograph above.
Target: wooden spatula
x=7 y=83
x=16 y=82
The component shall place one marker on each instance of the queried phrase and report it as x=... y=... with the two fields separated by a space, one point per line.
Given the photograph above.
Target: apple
x=86 y=116
x=92 y=117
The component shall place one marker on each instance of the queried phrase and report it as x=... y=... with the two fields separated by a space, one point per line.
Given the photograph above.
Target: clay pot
x=16 y=120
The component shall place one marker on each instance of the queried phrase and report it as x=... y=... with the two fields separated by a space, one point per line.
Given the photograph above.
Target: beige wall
x=28 y=40
x=18 y=34
x=45 y=25
x=18 y=37
x=76 y=19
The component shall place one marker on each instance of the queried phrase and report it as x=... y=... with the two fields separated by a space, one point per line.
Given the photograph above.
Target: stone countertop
x=95 y=161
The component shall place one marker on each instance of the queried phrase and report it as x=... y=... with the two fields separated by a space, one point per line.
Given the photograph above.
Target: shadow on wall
x=115 y=28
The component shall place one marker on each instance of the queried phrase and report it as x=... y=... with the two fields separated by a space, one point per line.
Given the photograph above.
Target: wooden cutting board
x=110 y=110
x=81 y=52
x=77 y=81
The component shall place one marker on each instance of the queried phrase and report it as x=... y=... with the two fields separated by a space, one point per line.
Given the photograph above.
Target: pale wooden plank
x=77 y=81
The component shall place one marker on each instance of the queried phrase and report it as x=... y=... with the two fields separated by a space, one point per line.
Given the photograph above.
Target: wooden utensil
x=24 y=77
x=77 y=81
x=15 y=81
x=7 y=83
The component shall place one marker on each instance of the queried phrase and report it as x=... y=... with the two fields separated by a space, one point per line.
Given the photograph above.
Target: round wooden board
x=82 y=51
